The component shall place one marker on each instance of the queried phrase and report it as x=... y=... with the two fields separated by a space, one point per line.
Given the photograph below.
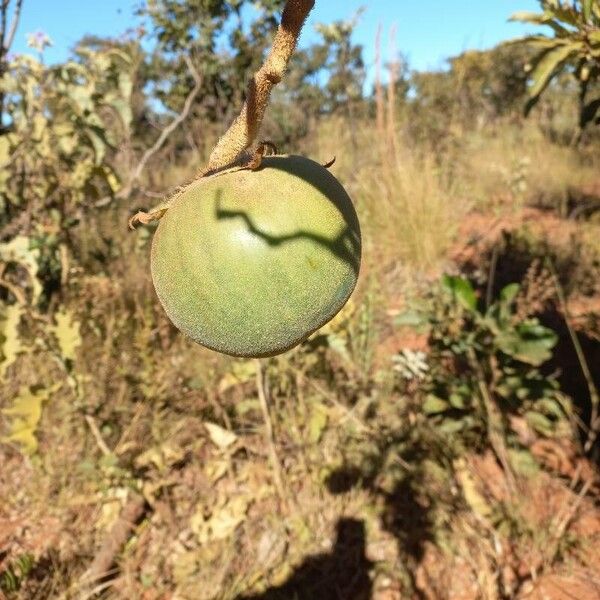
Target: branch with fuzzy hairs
x=243 y=131
x=231 y=148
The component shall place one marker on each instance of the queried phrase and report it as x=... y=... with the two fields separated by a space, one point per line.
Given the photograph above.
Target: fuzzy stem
x=243 y=131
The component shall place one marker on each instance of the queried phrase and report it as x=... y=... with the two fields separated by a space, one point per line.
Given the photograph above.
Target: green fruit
x=249 y=263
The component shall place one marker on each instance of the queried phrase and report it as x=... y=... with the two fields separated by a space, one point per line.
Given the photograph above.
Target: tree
x=344 y=63
x=574 y=47
x=220 y=42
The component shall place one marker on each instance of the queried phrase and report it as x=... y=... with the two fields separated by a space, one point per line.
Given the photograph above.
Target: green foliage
x=54 y=152
x=57 y=154
x=476 y=352
x=12 y=578
x=479 y=87
x=575 y=46
x=199 y=28
x=343 y=62
x=11 y=342
x=24 y=416
x=226 y=41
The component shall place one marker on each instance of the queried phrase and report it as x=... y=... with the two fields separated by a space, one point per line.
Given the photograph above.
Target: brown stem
x=137 y=171
x=3 y=18
x=168 y=130
x=6 y=40
x=594 y=428
x=116 y=539
x=244 y=129
x=13 y=26
x=394 y=69
x=273 y=457
x=379 y=102
x=495 y=427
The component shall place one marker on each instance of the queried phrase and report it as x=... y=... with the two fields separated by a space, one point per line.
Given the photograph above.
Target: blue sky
x=427 y=31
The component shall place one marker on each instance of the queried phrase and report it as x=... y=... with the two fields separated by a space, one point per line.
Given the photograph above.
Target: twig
x=13 y=26
x=14 y=290
x=93 y=593
x=348 y=412
x=244 y=129
x=594 y=428
x=115 y=540
x=496 y=433
x=275 y=463
x=137 y=171
x=3 y=17
x=97 y=435
x=166 y=132
x=491 y=277
x=565 y=521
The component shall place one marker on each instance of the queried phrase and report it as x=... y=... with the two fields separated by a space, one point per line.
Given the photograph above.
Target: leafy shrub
x=482 y=367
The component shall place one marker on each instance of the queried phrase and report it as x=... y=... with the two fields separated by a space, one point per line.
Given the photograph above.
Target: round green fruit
x=250 y=263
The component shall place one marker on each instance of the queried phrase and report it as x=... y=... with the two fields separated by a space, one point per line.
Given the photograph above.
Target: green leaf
x=547 y=68
x=457 y=401
x=410 y=318
x=462 y=290
x=523 y=462
x=11 y=342
x=452 y=426
x=67 y=334
x=339 y=344
x=24 y=416
x=434 y=405
x=539 y=422
x=501 y=312
x=536 y=41
x=540 y=19
x=528 y=342
x=123 y=105
x=509 y=292
x=526 y=16
x=558 y=10
x=317 y=422
x=550 y=407
x=587 y=9
x=98 y=143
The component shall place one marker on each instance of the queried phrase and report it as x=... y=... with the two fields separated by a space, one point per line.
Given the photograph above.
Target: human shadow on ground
x=342 y=574
x=405 y=507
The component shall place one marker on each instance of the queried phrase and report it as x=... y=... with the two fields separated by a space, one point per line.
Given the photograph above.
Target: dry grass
x=516 y=165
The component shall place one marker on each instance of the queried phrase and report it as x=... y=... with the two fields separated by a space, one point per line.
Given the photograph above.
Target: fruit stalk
x=244 y=129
